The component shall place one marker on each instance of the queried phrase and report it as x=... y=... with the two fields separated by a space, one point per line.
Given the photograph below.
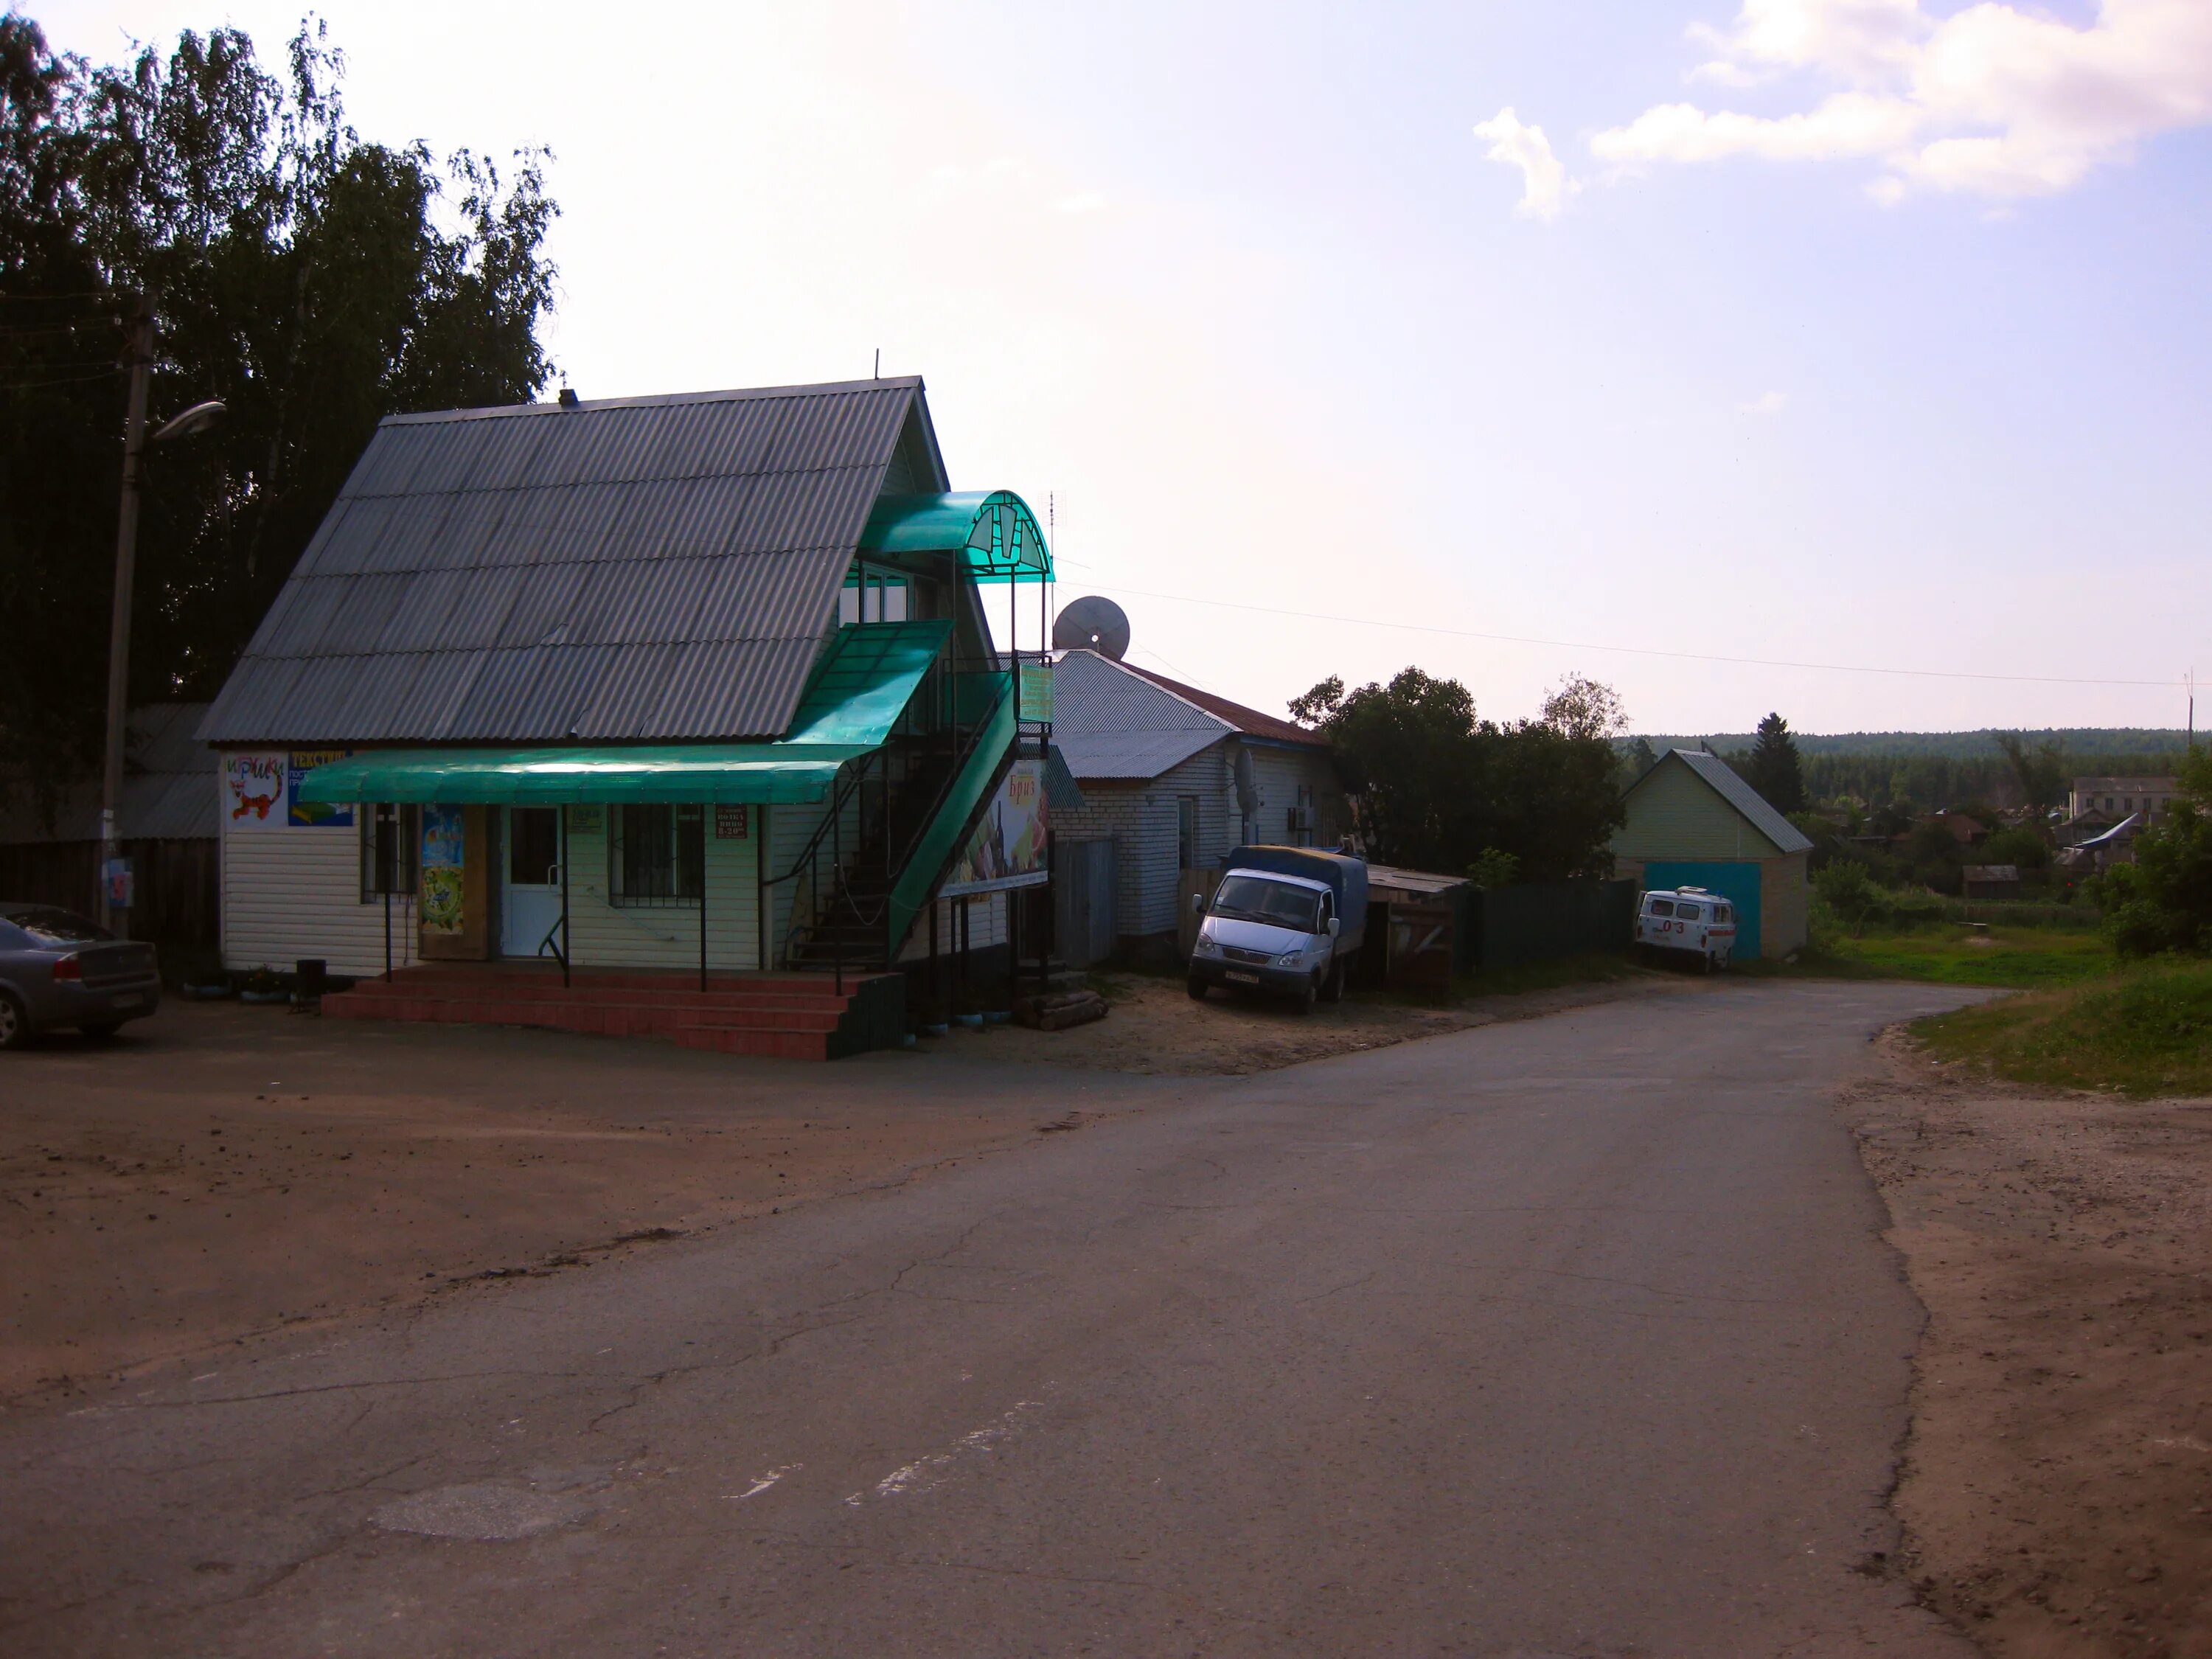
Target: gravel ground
x=2057 y=1491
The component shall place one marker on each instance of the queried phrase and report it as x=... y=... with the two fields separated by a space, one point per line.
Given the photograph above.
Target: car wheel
x=1196 y=985
x=1332 y=988
x=14 y=1026
x=102 y=1031
x=1304 y=1001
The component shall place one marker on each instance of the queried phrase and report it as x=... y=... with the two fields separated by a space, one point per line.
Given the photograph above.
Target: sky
x=1723 y=350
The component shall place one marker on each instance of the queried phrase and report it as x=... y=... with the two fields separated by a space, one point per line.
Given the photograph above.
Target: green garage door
x=1736 y=882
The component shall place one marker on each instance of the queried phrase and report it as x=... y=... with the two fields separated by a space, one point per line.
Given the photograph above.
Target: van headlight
x=1289 y=959
x=1206 y=947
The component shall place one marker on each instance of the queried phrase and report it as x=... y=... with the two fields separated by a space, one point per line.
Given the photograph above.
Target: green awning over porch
x=862 y=684
x=724 y=773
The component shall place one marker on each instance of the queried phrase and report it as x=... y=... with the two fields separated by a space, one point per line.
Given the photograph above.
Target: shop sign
x=313 y=814
x=253 y=788
x=731 y=822
x=1008 y=847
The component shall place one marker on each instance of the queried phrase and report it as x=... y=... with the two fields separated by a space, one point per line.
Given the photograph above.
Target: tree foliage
x=2163 y=901
x=2039 y=769
x=1773 y=768
x=314 y=281
x=1434 y=787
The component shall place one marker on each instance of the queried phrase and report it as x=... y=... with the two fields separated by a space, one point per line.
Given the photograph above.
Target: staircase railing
x=985 y=699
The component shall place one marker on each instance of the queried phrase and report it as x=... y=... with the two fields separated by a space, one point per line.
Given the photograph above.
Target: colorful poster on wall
x=444 y=844
x=1008 y=847
x=313 y=814
x=253 y=789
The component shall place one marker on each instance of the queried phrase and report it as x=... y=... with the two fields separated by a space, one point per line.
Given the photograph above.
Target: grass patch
x=2145 y=1032
x=2010 y=958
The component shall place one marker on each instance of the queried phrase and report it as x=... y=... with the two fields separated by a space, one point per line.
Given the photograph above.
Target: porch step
x=792 y=1016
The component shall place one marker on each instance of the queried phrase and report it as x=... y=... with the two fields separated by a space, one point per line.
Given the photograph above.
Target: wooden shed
x=1693 y=822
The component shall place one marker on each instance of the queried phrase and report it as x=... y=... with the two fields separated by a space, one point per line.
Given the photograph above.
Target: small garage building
x=1693 y=822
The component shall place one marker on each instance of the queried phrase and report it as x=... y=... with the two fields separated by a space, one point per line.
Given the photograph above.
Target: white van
x=1689 y=919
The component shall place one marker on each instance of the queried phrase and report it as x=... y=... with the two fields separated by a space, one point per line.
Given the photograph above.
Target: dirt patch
x=2057 y=1491
x=222 y=1170
x=1154 y=1028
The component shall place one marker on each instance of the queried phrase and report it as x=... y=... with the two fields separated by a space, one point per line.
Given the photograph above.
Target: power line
x=1630 y=650
x=109 y=372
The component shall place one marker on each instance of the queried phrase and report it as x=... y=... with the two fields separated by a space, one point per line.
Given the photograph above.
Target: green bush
x=2163 y=901
x=1846 y=889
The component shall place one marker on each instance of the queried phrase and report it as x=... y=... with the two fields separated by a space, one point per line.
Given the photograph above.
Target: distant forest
x=1922 y=771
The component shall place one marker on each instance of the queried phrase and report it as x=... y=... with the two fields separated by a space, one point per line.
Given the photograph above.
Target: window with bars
x=656 y=855
x=390 y=850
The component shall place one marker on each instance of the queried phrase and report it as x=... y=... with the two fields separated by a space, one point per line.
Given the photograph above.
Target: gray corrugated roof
x=170 y=787
x=1112 y=723
x=1714 y=770
x=636 y=568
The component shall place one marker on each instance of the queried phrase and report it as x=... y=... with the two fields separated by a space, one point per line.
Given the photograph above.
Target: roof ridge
x=1178 y=689
x=651 y=400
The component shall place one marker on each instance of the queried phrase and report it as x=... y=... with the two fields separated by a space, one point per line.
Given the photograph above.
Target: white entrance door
x=529 y=894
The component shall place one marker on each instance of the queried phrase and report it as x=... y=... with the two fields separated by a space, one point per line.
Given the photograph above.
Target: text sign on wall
x=253 y=789
x=732 y=823
x=313 y=814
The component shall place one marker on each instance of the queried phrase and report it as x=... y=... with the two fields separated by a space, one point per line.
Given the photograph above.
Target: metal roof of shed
x=1111 y=722
x=638 y=569
x=170 y=787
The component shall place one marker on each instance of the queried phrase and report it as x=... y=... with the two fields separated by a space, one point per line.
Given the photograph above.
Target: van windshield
x=1278 y=905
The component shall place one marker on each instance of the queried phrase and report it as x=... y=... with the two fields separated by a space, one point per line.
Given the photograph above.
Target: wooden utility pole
x=139 y=360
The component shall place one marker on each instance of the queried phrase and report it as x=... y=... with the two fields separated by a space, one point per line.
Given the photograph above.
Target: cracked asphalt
x=1575 y=1336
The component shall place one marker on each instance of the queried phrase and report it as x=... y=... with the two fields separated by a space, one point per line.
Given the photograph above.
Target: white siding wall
x=1278 y=773
x=1141 y=817
x=294 y=893
x=603 y=935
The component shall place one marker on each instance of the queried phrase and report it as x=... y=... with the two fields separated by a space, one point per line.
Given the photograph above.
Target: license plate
x=1241 y=979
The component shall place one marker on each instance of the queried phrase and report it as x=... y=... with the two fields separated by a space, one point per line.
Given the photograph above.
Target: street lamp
x=197 y=418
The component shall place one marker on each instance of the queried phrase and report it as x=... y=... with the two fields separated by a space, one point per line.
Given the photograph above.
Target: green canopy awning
x=995 y=531
x=863 y=682
x=719 y=772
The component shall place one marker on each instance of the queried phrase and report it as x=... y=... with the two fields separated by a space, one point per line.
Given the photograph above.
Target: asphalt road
x=1570 y=1337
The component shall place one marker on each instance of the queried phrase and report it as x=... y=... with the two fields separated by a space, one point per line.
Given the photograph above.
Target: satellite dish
x=1094 y=624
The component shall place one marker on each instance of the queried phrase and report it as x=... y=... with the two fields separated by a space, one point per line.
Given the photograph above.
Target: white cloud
x=1545 y=185
x=1994 y=100
x=1083 y=201
x=1767 y=403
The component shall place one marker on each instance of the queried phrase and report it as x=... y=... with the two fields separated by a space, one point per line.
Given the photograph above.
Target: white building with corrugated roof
x=695 y=685
x=1174 y=777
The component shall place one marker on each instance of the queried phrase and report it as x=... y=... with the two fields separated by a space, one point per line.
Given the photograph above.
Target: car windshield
x=63 y=927
x=1252 y=898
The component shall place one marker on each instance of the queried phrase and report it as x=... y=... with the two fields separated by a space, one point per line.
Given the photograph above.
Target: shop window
x=390 y=850
x=655 y=854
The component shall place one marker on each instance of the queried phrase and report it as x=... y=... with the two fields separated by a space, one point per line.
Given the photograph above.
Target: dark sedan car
x=56 y=970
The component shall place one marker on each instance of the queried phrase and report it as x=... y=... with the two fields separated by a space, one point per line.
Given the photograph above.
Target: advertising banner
x=253 y=789
x=1008 y=847
x=313 y=814
x=443 y=846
